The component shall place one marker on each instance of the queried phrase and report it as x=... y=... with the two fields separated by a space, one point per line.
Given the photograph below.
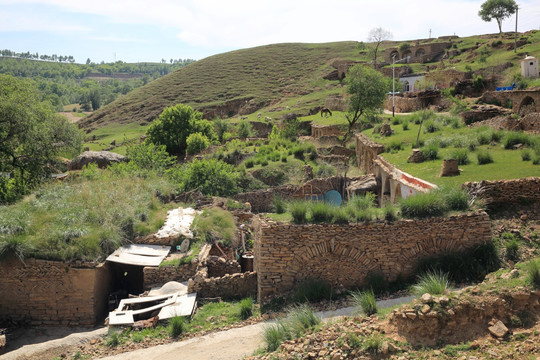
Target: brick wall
x=366 y=152
x=53 y=293
x=343 y=255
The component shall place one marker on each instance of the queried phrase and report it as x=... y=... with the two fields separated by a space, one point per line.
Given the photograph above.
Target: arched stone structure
x=527 y=106
x=420 y=52
x=519 y=98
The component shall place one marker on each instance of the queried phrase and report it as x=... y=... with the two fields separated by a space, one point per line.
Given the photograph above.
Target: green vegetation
x=365 y=301
x=533 y=274
x=312 y=290
x=246 y=308
x=498 y=10
x=177 y=326
x=299 y=320
x=423 y=205
x=431 y=282
x=214 y=225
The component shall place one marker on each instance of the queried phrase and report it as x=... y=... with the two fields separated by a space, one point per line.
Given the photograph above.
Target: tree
x=175 y=124
x=31 y=137
x=377 y=36
x=367 y=89
x=498 y=10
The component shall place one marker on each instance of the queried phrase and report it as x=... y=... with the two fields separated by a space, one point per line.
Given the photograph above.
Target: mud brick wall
x=238 y=285
x=343 y=255
x=318 y=131
x=501 y=193
x=156 y=276
x=366 y=152
x=53 y=293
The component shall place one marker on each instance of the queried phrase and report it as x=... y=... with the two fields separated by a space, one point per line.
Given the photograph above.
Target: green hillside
x=263 y=74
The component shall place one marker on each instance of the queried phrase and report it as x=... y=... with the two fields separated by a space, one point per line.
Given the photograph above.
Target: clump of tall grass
x=177 y=326
x=321 y=212
x=515 y=137
x=365 y=301
x=299 y=211
x=423 y=205
x=279 y=204
x=533 y=274
x=526 y=154
x=461 y=155
x=430 y=151
x=432 y=282
x=455 y=198
x=484 y=157
x=245 y=308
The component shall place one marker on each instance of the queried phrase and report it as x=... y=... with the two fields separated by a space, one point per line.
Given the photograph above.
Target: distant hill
x=267 y=77
x=224 y=84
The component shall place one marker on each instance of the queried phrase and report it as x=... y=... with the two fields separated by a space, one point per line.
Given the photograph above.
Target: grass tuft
x=365 y=301
x=423 y=205
x=246 y=308
x=432 y=282
x=177 y=326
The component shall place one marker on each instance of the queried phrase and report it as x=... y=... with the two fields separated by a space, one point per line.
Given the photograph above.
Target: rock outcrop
x=101 y=158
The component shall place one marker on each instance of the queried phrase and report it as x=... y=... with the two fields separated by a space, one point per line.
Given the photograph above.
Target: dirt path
x=231 y=344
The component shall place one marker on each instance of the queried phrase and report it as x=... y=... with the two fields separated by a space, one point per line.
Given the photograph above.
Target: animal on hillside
x=243 y=117
x=287 y=108
x=267 y=118
x=326 y=112
x=259 y=115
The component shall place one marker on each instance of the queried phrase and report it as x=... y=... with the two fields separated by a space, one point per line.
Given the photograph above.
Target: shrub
x=147 y=156
x=244 y=129
x=536 y=160
x=396 y=121
x=533 y=274
x=431 y=126
x=209 y=176
x=113 y=340
x=196 y=142
x=430 y=152
x=246 y=308
x=365 y=301
x=461 y=155
x=340 y=215
x=423 y=205
x=432 y=282
x=279 y=204
x=177 y=326
x=362 y=202
x=525 y=154
x=312 y=290
x=484 y=157
x=249 y=163
x=394 y=146
x=390 y=212
x=298 y=210
x=511 y=246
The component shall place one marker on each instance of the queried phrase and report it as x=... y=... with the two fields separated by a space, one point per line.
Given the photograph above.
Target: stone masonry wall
x=343 y=255
x=53 y=293
x=239 y=285
x=156 y=276
x=500 y=193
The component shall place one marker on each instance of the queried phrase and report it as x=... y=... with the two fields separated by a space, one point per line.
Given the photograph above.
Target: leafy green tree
x=498 y=10
x=175 y=124
x=367 y=89
x=31 y=137
x=209 y=176
x=244 y=129
x=148 y=156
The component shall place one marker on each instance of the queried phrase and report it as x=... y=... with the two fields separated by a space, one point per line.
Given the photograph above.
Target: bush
x=390 y=212
x=484 y=157
x=209 y=176
x=405 y=125
x=536 y=160
x=431 y=126
x=511 y=246
x=312 y=290
x=246 y=308
x=430 y=152
x=196 y=142
x=394 y=146
x=514 y=137
x=177 y=326
x=244 y=129
x=365 y=301
x=423 y=205
x=340 y=215
x=432 y=282
x=321 y=212
x=298 y=210
x=461 y=155
x=147 y=156
x=362 y=202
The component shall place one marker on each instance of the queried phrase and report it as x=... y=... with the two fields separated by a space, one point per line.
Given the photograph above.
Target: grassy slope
x=266 y=74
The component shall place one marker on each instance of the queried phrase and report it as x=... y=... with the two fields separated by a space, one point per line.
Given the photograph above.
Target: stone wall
x=239 y=285
x=261 y=200
x=418 y=52
x=343 y=255
x=157 y=276
x=502 y=193
x=366 y=152
x=318 y=131
x=53 y=293
x=219 y=266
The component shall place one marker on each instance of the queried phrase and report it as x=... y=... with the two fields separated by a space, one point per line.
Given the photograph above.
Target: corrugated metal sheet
x=139 y=254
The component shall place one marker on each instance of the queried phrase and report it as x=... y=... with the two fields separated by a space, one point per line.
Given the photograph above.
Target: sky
x=143 y=30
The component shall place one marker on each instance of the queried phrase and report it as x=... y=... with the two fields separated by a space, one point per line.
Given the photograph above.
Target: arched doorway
x=527 y=106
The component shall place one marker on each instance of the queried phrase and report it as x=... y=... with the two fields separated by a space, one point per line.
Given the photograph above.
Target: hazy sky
x=143 y=30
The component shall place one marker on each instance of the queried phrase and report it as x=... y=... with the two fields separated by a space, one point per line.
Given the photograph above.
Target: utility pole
x=430 y=33
x=515 y=35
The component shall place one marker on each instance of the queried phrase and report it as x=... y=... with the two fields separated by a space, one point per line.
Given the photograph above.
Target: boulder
x=498 y=330
x=101 y=158
x=386 y=130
